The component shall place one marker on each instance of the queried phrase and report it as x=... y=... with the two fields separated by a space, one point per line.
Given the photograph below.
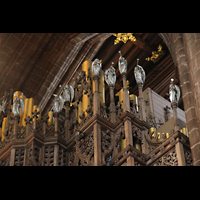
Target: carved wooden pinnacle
x=28 y=120
x=35 y=113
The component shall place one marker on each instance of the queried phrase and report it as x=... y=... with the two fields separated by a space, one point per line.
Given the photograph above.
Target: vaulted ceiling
x=36 y=63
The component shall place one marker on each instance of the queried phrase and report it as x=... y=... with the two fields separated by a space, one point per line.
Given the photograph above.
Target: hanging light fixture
x=124 y=37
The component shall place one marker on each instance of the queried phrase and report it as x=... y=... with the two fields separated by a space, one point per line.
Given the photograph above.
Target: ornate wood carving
x=49 y=155
x=107 y=144
x=169 y=159
x=85 y=147
x=19 y=157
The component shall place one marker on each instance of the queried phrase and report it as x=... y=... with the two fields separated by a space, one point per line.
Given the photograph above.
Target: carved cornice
x=166 y=146
x=120 y=158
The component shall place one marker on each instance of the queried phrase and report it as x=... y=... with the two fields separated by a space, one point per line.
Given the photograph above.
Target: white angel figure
x=3 y=106
x=122 y=63
x=110 y=75
x=18 y=102
x=139 y=74
x=58 y=103
x=96 y=67
x=68 y=92
x=174 y=92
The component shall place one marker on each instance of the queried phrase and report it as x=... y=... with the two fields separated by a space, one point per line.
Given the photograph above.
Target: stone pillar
x=188 y=98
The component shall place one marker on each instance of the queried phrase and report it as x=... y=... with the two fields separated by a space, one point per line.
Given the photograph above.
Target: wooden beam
x=142 y=44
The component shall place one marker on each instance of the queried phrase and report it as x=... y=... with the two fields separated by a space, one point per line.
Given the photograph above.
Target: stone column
x=188 y=98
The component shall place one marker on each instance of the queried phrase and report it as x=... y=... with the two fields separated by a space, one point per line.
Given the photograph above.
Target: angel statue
x=174 y=92
x=18 y=102
x=68 y=92
x=122 y=63
x=58 y=103
x=139 y=74
x=96 y=67
x=110 y=76
x=3 y=106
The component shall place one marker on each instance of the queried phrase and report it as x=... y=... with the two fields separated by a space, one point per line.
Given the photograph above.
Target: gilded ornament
x=156 y=55
x=124 y=37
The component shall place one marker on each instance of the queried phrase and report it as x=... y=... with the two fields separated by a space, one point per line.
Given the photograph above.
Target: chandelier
x=124 y=37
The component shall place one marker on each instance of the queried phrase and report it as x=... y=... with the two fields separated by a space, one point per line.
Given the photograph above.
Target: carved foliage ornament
x=156 y=55
x=85 y=147
x=124 y=37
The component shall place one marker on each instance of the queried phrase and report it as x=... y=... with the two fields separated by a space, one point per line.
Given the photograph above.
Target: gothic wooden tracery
x=94 y=132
